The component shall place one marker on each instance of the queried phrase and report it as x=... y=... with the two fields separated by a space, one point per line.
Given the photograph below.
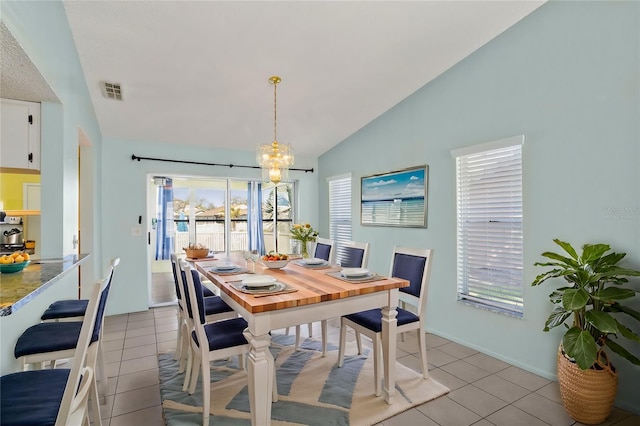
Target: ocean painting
x=395 y=199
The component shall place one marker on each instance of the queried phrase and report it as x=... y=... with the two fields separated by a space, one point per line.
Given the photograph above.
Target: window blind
x=489 y=228
x=340 y=213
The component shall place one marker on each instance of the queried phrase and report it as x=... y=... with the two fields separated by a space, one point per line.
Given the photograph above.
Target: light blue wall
x=42 y=29
x=125 y=183
x=567 y=77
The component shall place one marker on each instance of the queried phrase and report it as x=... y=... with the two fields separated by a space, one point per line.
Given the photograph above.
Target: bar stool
x=55 y=340
x=57 y=396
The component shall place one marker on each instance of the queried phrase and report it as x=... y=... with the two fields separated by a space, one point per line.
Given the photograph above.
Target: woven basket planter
x=587 y=395
x=196 y=253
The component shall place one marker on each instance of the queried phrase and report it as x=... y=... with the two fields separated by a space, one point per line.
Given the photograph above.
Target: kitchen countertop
x=17 y=289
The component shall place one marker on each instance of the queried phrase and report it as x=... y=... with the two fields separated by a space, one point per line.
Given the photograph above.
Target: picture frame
x=397 y=198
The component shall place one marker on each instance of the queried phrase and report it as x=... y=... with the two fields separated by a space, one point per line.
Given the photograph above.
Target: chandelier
x=273 y=158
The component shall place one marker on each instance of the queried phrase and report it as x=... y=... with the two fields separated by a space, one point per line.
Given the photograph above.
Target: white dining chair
x=215 y=309
x=413 y=265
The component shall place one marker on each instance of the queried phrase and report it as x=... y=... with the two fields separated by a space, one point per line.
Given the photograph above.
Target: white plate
x=272 y=288
x=354 y=272
x=258 y=281
x=224 y=267
x=313 y=261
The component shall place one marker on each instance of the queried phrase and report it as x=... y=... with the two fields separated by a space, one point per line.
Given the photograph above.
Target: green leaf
x=614 y=293
x=623 y=352
x=574 y=299
x=579 y=345
x=546 y=275
x=564 y=260
x=602 y=321
x=626 y=332
x=616 y=270
x=611 y=259
x=557 y=317
x=567 y=247
x=592 y=252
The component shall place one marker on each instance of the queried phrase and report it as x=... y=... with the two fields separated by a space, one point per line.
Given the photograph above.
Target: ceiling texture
x=197 y=72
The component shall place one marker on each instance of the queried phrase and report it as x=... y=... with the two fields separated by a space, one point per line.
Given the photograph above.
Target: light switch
x=136 y=231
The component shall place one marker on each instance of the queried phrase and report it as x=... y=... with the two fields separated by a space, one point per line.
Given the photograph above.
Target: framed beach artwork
x=397 y=198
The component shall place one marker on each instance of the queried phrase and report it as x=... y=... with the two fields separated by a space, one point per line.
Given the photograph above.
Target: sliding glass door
x=217 y=213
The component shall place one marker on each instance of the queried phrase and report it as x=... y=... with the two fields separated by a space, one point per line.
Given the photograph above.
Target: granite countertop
x=17 y=289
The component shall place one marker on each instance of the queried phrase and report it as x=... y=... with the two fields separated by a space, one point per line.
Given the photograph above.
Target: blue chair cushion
x=49 y=337
x=224 y=334
x=353 y=258
x=372 y=319
x=322 y=251
x=215 y=305
x=206 y=292
x=410 y=268
x=65 y=309
x=32 y=397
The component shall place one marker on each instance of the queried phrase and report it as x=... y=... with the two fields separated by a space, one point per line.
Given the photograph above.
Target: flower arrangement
x=304 y=233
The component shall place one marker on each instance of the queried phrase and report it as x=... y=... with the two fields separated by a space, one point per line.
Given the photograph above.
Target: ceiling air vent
x=111 y=90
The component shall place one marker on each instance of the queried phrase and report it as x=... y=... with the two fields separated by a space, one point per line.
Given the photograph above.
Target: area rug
x=312 y=390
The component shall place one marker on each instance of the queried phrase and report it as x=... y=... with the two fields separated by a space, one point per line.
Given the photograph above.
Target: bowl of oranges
x=275 y=260
x=14 y=262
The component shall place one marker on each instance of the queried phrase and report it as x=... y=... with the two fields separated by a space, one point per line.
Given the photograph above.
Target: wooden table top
x=313 y=285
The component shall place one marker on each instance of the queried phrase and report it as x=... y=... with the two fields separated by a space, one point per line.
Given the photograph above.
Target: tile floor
x=484 y=391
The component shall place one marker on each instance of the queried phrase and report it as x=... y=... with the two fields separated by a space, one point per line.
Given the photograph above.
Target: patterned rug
x=312 y=390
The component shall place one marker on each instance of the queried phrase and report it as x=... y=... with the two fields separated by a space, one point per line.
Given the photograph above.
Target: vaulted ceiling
x=196 y=72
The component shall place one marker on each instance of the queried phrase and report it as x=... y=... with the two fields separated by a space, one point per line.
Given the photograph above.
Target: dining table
x=309 y=294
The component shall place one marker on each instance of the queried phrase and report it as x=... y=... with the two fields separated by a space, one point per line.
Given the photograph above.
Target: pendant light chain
x=275 y=109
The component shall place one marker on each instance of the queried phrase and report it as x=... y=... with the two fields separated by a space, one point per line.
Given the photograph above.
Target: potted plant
x=304 y=233
x=589 y=307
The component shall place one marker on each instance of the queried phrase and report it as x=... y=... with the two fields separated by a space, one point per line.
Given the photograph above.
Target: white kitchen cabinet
x=20 y=134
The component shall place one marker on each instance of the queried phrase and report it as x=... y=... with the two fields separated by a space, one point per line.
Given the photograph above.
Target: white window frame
x=489 y=211
x=340 y=212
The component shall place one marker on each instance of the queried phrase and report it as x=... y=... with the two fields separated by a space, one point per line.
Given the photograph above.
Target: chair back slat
x=80 y=353
x=102 y=304
x=199 y=295
x=176 y=281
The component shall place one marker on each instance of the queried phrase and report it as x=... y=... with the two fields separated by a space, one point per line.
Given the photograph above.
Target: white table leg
x=389 y=332
x=260 y=375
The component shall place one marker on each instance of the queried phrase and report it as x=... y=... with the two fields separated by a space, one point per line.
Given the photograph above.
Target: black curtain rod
x=230 y=165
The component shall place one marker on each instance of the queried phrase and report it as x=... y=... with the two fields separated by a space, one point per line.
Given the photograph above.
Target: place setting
x=261 y=285
x=225 y=268
x=313 y=263
x=356 y=275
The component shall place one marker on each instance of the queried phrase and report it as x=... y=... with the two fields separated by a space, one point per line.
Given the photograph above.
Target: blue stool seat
x=49 y=337
x=65 y=309
x=32 y=397
x=372 y=319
